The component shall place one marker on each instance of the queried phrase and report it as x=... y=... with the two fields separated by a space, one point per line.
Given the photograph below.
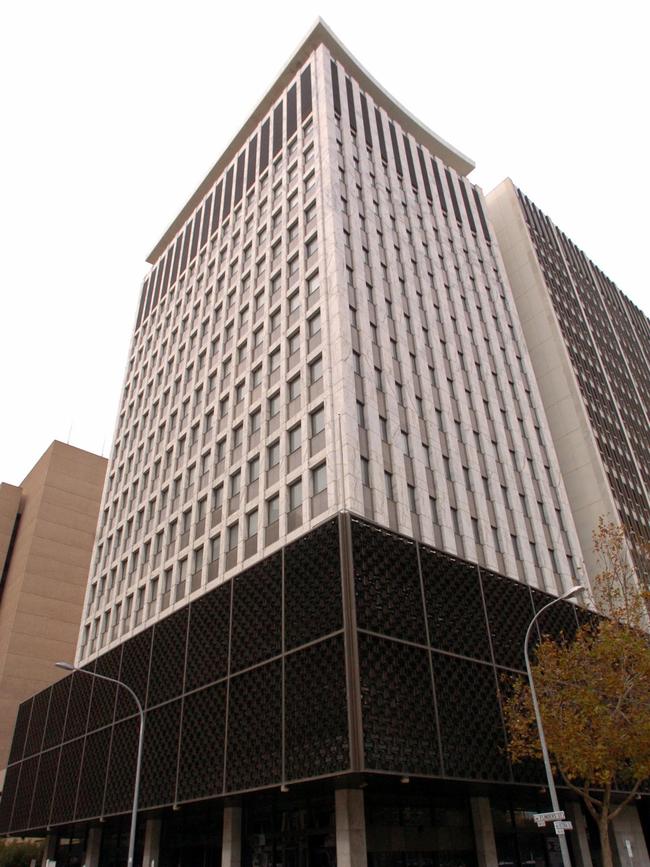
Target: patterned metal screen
x=351 y=649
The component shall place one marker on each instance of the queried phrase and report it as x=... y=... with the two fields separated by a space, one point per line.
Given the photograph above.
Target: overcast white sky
x=113 y=112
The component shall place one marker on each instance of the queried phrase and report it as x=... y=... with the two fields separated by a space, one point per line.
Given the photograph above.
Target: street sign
x=542 y=818
x=561 y=827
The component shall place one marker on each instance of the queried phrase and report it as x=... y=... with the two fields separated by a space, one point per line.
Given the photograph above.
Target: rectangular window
x=293 y=342
x=273 y=509
x=251 y=524
x=313 y=283
x=294 y=388
x=232 y=537
x=255 y=420
x=317 y=421
x=365 y=472
x=273 y=454
x=295 y=495
x=294 y=439
x=313 y=325
x=253 y=469
x=311 y=247
x=316 y=370
x=318 y=479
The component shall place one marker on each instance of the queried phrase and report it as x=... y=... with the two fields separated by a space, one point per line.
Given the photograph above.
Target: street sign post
x=542 y=818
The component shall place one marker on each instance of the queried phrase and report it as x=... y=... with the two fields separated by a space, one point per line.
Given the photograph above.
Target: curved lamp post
x=564 y=849
x=138 y=765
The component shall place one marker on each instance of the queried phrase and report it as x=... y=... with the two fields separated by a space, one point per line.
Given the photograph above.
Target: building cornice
x=320 y=34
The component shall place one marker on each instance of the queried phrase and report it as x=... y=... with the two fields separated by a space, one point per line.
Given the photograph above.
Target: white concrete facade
x=588 y=445
x=344 y=339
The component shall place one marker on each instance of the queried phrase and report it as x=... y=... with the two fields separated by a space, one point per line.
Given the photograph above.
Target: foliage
x=594 y=693
x=19 y=853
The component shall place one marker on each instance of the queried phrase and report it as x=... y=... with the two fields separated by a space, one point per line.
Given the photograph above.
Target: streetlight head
x=573 y=591
x=65 y=665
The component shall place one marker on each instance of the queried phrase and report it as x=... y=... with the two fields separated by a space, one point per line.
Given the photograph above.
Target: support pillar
x=151 y=853
x=628 y=838
x=231 y=837
x=579 y=839
x=486 y=847
x=49 y=852
x=350 y=829
x=93 y=847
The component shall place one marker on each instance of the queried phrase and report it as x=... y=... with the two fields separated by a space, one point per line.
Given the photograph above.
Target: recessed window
x=273 y=454
x=311 y=247
x=293 y=342
x=313 y=325
x=365 y=472
x=294 y=439
x=295 y=495
x=273 y=509
x=232 y=537
x=313 y=283
x=253 y=469
x=251 y=524
x=316 y=370
x=255 y=420
x=318 y=479
x=317 y=421
x=294 y=388
x=294 y=302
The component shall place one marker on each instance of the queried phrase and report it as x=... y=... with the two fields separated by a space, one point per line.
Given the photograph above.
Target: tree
x=594 y=692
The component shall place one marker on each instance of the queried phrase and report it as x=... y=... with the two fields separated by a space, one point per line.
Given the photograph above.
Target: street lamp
x=564 y=849
x=138 y=765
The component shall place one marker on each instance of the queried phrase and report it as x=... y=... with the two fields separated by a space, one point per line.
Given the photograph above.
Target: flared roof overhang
x=320 y=34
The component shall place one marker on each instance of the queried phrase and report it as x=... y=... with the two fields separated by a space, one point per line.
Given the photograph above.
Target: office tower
x=47 y=531
x=590 y=349
x=326 y=326
x=332 y=508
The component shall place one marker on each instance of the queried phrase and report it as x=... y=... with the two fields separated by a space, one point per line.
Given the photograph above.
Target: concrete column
x=151 y=853
x=49 y=851
x=231 y=837
x=486 y=847
x=93 y=847
x=579 y=840
x=350 y=829
x=628 y=838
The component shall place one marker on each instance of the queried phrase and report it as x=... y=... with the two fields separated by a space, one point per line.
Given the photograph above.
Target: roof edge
x=319 y=34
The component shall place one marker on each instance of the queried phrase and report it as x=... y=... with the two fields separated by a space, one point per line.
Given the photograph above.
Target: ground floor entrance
x=375 y=823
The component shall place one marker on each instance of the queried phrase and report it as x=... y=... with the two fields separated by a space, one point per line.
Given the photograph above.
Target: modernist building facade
x=332 y=507
x=590 y=349
x=47 y=532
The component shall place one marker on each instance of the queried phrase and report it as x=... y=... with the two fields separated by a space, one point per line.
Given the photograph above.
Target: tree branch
x=624 y=803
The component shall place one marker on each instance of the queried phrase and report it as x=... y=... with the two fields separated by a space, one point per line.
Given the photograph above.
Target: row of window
x=127 y=603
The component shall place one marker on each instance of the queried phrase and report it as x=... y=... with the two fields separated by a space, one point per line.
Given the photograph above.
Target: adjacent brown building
x=47 y=531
